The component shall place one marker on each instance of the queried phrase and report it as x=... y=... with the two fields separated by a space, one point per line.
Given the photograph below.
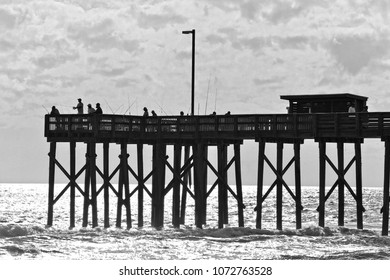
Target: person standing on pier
x=146 y=113
x=90 y=109
x=54 y=111
x=154 y=113
x=79 y=107
x=98 y=110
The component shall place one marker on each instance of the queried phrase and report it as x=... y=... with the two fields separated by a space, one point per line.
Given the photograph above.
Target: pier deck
x=136 y=129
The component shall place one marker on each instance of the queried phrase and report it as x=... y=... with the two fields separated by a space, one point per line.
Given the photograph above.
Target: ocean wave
x=14 y=230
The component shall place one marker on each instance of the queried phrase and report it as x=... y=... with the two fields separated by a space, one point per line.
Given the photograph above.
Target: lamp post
x=193 y=69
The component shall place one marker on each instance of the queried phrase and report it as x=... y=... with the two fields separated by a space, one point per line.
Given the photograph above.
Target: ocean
x=24 y=235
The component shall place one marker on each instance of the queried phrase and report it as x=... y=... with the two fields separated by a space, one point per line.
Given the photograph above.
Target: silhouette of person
x=54 y=111
x=79 y=107
x=146 y=113
x=351 y=108
x=181 y=113
x=228 y=113
x=154 y=113
x=90 y=109
x=98 y=110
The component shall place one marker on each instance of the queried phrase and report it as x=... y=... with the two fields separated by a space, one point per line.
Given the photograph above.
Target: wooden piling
x=298 y=196
x=359 y=185
x=222 y=190
x=279 y=186
x=187 y=180
x=176 y=186
x=200 y=183
x=52 y=155
x=237 y=165
x=386 y=186
x=106 y=147
x=158 y=184
x=123 y=189
x=93 y=200
x=72 y=146
x=341 y=196
x=260 y=179
x=86 y=186
x=140 y=167
x=322 y=166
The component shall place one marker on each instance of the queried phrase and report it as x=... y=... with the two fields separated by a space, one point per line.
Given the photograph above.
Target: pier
x=190 y=138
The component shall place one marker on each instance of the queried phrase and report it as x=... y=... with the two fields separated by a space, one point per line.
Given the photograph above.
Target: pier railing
x=294 y=126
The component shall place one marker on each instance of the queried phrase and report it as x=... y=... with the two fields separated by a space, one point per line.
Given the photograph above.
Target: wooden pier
x=191 y=137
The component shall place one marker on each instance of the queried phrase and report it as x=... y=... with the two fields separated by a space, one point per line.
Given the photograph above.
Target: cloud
x=158 y=21
x=101 y=35
x=354 y=52
x=7 y=19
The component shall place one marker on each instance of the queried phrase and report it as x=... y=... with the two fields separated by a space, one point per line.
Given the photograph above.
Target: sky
x=133 y=53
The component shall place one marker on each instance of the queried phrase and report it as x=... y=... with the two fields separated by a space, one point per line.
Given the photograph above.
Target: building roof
x=323 y=96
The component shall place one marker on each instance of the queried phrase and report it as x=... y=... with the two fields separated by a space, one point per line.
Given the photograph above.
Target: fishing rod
x=46 y=109
x=128 y=108
x=118 y=109
x=161 y=108
x=109 y=106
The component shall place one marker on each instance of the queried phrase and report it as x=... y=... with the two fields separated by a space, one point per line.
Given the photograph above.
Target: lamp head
x=187 y=32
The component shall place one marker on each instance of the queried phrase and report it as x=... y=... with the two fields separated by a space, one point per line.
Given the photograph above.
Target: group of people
x=80 y=109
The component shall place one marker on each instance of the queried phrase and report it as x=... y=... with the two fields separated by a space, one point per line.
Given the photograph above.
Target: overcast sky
x=248 y=53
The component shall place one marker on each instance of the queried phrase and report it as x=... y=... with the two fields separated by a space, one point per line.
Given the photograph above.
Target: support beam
x=123 y=189
x=176 y=186
x=200 y=183
x=72 y=146
x=237 y=156
x=158 y=184
x=386 y=185
x=106 y=173
x=279 y=186
x=86 y=186
x=298 y=199
x=222 y=190
x=140 y=167
x=187 y=180
x=93 y=200
x=341 y=196
x=50 y=210
x=321 y=207
x=260 y=181
x=359 y=185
